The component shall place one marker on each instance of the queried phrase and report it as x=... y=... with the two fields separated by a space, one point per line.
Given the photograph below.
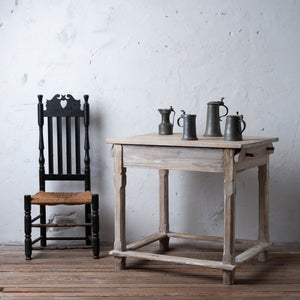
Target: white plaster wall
x=133 y=57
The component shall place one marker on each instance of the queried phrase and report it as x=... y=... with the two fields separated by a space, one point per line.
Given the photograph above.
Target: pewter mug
x=213 y=118
x=233 y=128
x=189 y=126
x=166 y=127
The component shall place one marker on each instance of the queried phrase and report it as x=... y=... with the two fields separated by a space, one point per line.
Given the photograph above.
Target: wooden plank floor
x=74 y=274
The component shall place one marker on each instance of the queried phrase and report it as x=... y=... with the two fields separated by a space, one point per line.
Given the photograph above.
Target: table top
x=155 y=139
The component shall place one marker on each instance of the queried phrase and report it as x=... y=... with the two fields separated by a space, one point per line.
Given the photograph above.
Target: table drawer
x=173 y=158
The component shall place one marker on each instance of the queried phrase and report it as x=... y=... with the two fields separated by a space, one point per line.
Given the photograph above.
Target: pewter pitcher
x=189 y=126
x=213 y=118
x=166 y=127
x=233 y=128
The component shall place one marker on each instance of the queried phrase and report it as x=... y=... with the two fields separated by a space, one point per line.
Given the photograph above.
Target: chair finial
x=40 y=97
x=86 y=98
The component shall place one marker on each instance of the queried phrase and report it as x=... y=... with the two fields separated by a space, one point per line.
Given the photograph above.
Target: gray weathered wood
x=254 y=157
x=229 y=213
x=173 y=158
x=174 y=259
x=251 y=252
x=207 y=238
x=205 y=155
x=202 y=142
x=164 y=207
x=263 y=198
x=120 y=183
x=146 y=241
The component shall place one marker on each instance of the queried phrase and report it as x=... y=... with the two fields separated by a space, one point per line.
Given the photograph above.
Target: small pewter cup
x=233 y=128
x=189 y=126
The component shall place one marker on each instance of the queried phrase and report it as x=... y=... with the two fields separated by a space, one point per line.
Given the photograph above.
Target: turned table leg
x=229 y=214
x=164 y=207
x=263 y=228
x=120 y=184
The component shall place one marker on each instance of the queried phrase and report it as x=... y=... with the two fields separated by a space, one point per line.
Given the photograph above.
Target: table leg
x=164 y=207
x=263 y=231
x=120 y=184
x=229 y=213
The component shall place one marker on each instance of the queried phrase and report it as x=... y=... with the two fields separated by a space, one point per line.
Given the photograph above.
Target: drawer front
x=173 y=158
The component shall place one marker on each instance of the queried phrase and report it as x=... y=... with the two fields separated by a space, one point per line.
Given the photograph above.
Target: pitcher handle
x=222 y=104
x=178 y=120
x=225 y=112
x=244 y=123
x=172 y=110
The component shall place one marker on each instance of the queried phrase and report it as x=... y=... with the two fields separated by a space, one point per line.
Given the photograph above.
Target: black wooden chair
x=65 y=111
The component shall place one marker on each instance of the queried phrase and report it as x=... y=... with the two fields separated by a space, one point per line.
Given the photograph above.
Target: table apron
x=253 y=157
x=173 y=158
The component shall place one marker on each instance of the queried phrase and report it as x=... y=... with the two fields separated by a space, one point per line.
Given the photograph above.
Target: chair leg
x=43 y=229
x=95 y=225
x=27 y=223
x=88 y=230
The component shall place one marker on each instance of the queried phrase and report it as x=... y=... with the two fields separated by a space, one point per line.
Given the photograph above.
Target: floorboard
x=74 y=274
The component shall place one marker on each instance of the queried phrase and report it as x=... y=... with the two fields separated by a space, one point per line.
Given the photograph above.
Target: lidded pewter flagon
x=233 y=128
x=189 y=126
x=213 y=118
x=166 y=127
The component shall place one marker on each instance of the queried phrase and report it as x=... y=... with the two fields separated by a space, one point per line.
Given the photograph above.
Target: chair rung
x=62 y=225
x=36 y=218
x=65 y=238
x=36 y=240
x=61 y=247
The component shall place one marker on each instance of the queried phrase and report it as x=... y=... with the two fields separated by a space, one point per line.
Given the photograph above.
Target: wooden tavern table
x=169 y=152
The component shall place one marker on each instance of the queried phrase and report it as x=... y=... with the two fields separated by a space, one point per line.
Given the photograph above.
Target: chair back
x=65 y=122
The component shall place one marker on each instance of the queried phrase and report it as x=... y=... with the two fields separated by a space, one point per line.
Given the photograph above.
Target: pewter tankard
x=189 y=126
x=213 y=118
x=233 y=128
x=166 y=127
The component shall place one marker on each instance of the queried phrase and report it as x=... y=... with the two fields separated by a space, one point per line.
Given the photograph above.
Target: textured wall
x=134 y=57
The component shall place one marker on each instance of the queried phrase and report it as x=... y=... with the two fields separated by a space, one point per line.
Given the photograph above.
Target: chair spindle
x=50 y=145
x=59 y=146
x=68 y=145
x=87 y=142
x=77 y=145
x=41 y=142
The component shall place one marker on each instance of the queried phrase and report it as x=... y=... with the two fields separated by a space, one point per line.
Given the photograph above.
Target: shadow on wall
x=284 y=194
x=74 y=214
x=197 y=199
x=197 y=203
x=101 y=171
